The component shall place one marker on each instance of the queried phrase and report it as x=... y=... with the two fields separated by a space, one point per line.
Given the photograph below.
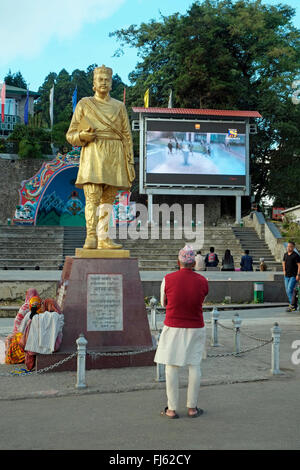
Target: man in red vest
x=182 y=340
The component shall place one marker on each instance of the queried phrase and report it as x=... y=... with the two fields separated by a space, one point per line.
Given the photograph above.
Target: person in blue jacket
x=246 y=262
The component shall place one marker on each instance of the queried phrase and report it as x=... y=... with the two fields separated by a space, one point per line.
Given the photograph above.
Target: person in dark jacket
x=211 y=259
x=246 y=262
x=227 y=262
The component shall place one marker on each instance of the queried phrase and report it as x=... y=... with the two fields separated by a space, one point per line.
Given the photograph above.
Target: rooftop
x=198 y=112
x=13 y=90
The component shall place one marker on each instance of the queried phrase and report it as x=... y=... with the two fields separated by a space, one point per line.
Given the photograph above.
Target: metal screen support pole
x=81 y=355
x=238 y=209
x=150 y=208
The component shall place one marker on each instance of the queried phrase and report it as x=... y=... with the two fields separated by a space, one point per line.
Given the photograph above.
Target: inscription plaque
x=104 y=302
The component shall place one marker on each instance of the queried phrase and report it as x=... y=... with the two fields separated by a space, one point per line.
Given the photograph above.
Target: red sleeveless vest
x=185 y=292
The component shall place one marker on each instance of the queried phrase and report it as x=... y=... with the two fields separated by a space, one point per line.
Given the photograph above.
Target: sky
x=41 y=36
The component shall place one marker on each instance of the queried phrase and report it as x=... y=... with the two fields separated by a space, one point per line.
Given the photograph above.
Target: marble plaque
x=104 y=302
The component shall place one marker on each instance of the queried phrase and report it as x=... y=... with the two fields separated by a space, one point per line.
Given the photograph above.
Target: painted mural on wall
x=51 y=198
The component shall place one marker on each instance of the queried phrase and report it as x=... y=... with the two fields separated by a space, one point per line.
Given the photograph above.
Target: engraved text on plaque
x=105 y=302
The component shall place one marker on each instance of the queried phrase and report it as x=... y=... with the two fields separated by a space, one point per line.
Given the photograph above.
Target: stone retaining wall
x=15 y=290
x=238 y=291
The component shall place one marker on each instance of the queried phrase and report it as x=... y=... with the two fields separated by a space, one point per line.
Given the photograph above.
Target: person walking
x=227 y=262
x=182 y=340
x=246 y=262
x=295 y=299
x=199 y=262
x=291 y=269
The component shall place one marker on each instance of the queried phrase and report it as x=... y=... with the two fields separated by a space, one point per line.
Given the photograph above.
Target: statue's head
x=102 y=79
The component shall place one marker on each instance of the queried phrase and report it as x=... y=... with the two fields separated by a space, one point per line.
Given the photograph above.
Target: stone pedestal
x=103 y=299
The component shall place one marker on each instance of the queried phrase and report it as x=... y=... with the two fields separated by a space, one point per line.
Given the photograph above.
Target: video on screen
x=196 y=156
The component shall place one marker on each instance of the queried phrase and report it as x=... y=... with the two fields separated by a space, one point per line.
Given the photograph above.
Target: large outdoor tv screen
x=195 y=153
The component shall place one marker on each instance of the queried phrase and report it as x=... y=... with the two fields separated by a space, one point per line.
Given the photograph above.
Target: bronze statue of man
x=100 y=125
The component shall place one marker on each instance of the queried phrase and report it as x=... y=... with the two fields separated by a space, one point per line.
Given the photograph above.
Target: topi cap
x=186 y=255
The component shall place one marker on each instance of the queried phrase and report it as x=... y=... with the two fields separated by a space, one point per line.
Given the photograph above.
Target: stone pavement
x=249 y=367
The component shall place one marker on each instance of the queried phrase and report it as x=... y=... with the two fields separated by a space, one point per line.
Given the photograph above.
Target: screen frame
x=195 y=189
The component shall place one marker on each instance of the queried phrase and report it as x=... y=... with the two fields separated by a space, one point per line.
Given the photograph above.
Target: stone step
x=33 y=263
x=33 y=256
x=30 y=267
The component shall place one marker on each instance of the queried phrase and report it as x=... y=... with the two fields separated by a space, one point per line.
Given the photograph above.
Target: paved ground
x=119 y=409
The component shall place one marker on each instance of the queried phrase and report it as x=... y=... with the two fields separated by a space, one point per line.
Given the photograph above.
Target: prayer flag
x=51 y=105
x=146 y=99
x=74 y=99
x=26 y=108
x=124 y=95
x=3 y=92
x=170 y=105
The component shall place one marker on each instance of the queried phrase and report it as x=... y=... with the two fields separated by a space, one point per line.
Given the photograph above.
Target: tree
x=15 y=79
x=64 y=86
x=226 y=55
x=32 y=141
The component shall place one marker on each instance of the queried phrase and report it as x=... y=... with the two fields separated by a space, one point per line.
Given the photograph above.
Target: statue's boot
x=91 y=225
x=108 y=244
x=104 y=241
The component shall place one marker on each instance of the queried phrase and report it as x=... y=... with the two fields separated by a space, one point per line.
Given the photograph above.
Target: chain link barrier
x=30 y=372
x=94 y=354
x=243 y=351
x=127 y=353
x=90 y=353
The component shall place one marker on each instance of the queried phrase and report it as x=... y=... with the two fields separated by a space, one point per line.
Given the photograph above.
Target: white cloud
x=28 y=25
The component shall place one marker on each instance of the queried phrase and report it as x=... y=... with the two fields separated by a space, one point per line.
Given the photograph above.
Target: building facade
x=14 y=108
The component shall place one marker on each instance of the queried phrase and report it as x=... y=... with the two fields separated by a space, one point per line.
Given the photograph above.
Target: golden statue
x=100 y=125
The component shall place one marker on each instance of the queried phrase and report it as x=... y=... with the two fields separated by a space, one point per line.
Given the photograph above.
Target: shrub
x=29 y=148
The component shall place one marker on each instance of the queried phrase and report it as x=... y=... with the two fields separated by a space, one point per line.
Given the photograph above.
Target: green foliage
x=59 y=135
x=15 y=79
x=228 y=55
x=64 y=86
x=291 y=229
x=21 y=131
x=29 y=148
x=33 y=142
x=2 y=146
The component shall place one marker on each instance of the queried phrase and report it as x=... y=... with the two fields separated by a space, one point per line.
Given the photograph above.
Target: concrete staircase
x=26 y=248
x=257 y=247
x=161 y=255
x=47 y=247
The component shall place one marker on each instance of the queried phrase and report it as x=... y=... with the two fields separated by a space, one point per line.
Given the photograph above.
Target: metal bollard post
x=153 y=305
x=81 y=354
x=160 y=368
x=214 y=327
x=237 y=324
x=276 y=330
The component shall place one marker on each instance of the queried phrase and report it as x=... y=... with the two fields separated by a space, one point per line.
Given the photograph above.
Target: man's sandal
x=164 y=414
x=199 y=412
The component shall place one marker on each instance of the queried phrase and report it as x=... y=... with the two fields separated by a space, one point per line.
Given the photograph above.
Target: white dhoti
x=179 y=347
